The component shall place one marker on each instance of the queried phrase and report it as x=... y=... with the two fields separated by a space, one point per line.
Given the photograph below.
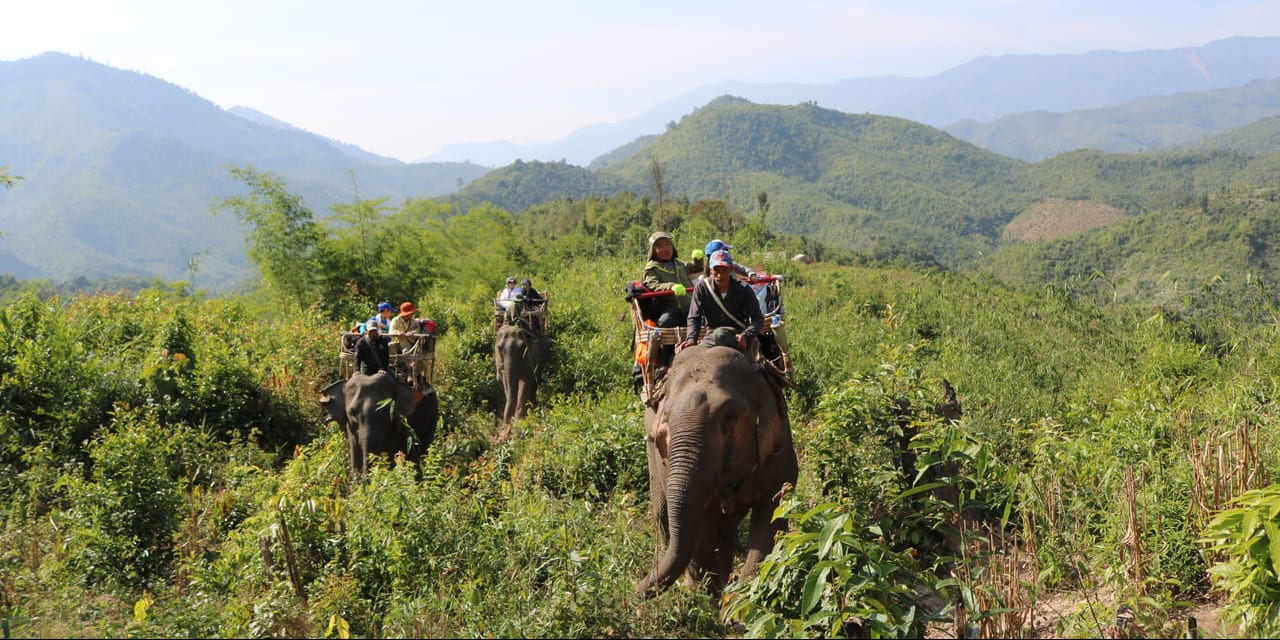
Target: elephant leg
x=509 y=406
x=355 y=453
x=703 y=567
x=726 y=546
x=525 y=395
x=658 y=491
x=764 y=529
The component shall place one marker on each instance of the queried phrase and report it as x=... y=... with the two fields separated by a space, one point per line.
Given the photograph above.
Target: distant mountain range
x=882 y=185
x=1141 y=124
x=984 y=89
x=120 y=168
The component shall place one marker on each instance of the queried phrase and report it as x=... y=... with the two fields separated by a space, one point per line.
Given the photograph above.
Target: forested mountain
x=886 y=186
x=524 y=184
x=253 y=115
x=1213 y=249
x=983 y=89
x=120 y=168
x=1261 y=137
x=1142 y=124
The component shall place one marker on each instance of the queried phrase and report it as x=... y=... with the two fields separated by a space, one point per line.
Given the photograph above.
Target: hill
x=856 y=181
x=891 y=188
x=1141 y=124
x=984 y=89
x=1214 y=250
x=120 y=168
x=1261 y=137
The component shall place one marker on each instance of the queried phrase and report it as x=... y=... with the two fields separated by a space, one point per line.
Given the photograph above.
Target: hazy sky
x=402 y=78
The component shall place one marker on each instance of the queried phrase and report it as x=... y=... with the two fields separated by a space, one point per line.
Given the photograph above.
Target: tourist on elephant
x=504 y=302
x=665 y=272
x=723 y=301
x=738 y=268
x=402 y=326
x=382 y=318
x=372 y=354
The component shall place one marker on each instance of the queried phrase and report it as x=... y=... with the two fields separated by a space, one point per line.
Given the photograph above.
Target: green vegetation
x=167 y=471
x=1143 y=124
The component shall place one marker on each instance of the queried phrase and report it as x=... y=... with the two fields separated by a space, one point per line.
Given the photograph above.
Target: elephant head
x=518 y=355
x=381 y=415
x=719 y=446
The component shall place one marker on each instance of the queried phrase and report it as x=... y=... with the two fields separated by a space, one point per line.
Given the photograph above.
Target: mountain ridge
x=1015 y=82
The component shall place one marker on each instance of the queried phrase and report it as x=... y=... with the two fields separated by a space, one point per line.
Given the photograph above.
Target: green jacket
x=661 y=276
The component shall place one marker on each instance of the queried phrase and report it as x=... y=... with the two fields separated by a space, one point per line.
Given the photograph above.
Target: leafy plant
x=832 y=576
x=1246 y=538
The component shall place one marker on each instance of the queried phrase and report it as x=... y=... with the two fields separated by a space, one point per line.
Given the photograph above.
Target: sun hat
x=407 y=309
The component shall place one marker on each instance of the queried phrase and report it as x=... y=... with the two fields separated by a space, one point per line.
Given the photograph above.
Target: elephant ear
x=334 y=401
x=408 y=400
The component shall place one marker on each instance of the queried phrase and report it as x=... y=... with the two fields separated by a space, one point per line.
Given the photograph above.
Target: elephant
x=719 y=445
x=375 y=426
x=519 y=354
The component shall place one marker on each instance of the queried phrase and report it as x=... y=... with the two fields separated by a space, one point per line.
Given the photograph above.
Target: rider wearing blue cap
x=719 y=245
x=723 y=301
x=382 y=317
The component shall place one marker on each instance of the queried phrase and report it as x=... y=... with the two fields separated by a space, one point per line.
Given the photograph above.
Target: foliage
x=831 y=577
x=1247 y=539
x=282 y=234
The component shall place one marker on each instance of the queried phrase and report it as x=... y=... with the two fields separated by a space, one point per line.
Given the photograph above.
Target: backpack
x=650 y=308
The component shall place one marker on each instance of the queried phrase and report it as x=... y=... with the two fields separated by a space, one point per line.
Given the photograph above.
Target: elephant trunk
x=688 y=489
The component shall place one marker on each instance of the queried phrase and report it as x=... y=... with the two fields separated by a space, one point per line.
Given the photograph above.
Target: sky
x=402 y=78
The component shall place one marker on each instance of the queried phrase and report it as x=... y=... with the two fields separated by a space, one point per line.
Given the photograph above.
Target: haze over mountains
x=120 y=168
x=984 y=89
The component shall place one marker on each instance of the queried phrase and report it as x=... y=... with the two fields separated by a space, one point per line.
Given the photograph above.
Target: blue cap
x=721 y=258
x=715 y=245
x=385 y=306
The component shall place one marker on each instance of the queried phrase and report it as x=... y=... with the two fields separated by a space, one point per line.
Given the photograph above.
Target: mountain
x=1136 y=125
x=855 y=181
x=120 y=169
x=982 y=90
x=253 y=115
x=883 y=185
x=1261 y=137
x=1218 y=247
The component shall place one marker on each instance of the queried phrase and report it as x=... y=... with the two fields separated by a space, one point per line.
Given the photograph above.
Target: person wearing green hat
x=665 y=272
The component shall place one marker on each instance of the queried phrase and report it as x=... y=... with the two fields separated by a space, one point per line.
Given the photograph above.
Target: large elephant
x=518 y=356
x=373 y=425
x=719 y=445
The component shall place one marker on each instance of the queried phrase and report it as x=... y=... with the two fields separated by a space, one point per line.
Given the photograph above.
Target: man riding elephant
x=719 y=447
x=723 y=301
x=519 y=354
x=375 y=426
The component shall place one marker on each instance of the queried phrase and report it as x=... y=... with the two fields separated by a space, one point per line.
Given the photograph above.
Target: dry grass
x=1056 y=218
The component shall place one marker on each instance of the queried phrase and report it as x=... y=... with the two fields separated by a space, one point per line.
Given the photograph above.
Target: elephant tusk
x=782 y=493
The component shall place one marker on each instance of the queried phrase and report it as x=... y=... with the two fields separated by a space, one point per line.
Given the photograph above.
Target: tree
x=282 y=236
x=6 y=180
x=361 y=215
x=656 y=181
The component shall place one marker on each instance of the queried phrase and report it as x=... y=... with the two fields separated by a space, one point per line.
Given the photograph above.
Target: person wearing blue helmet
x=382 y=318
x=739 y=269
